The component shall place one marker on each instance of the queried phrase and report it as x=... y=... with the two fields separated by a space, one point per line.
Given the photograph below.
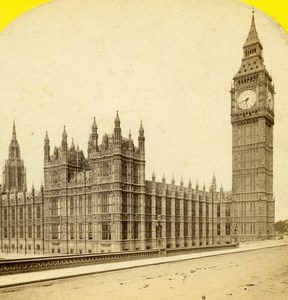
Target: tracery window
x=158 y=206
x=106 y=231
x=168 y=207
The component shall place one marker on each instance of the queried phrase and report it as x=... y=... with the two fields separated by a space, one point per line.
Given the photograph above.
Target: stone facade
x=103 y=202
x=22 y=227
x=252 y=118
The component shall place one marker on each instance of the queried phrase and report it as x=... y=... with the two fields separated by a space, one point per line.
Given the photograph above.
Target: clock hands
x=245 y=100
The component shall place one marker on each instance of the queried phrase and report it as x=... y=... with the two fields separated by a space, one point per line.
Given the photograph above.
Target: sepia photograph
x=143 y=151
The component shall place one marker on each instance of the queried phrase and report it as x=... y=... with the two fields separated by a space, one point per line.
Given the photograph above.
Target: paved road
x=260 y=274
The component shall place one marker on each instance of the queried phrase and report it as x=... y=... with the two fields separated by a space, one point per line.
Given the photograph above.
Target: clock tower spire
x=252 y=119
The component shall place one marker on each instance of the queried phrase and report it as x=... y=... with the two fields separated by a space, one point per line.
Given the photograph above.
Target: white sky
x=168 y=63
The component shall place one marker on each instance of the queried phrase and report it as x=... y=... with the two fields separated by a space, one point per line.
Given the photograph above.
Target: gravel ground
x=260 y=274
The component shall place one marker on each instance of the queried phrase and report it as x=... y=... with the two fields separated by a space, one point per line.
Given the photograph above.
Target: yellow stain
x=11 y=9
x=277 y=9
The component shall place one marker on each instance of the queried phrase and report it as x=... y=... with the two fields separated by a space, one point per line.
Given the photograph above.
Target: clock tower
x=252 y=119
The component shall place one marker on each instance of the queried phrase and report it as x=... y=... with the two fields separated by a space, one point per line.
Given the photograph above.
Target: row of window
x=74 y=229
x=148 y=208
x=73 y=205
x=148 y=228
x=250 y=51
x=80 y=251
x=246 y=209
x=248 y=79
x=129 y=174
x=21 y=247
x=78 y=206
x=247 y=228
x=21 y=211
x=21 y=232
x=133 y=230
x=81 y=205
x=132 y=201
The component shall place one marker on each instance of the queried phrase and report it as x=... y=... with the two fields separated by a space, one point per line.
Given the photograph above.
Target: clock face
x=270 y=100
x=246 y=99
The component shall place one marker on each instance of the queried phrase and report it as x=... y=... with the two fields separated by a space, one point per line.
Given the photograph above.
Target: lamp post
x=235 y=233
x=159 y=232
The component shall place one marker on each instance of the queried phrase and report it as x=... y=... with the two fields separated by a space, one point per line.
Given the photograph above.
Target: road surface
x=259 y=274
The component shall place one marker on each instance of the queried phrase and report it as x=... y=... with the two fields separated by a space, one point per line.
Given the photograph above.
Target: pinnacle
x=214 y=179
x=46 y=137
x=117 y=119
x=64 y=134
x=252 y=37
x=173 y=179
x=94 y=125
x=141 y=129
x=14 y=131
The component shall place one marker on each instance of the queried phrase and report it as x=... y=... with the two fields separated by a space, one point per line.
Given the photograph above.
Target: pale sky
x=168 y=63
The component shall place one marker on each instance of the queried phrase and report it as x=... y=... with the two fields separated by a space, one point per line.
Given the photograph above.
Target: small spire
x=213 y=179
x=141 y=129
x=252 y=37
x=173 y=179
x=197 y=185
x=181 y=182
x=46 y=138
x=163 y=178
x=14 y=131
x=189 y=184
x=153 y=176
x=221 y=187
x=94 y=125
x=117 y=129
x=130 y=141
x=64 y=134
x=117 y=119
x=204 y=186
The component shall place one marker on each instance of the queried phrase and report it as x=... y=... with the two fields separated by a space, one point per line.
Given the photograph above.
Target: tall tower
x=252 y=118
x=14 y=173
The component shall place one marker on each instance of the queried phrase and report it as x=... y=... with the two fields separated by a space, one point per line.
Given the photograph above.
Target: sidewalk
x=26 y=278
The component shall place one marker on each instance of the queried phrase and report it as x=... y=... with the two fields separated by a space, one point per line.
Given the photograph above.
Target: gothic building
x=103 y=202
x=21 y=211
x=252 y=118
